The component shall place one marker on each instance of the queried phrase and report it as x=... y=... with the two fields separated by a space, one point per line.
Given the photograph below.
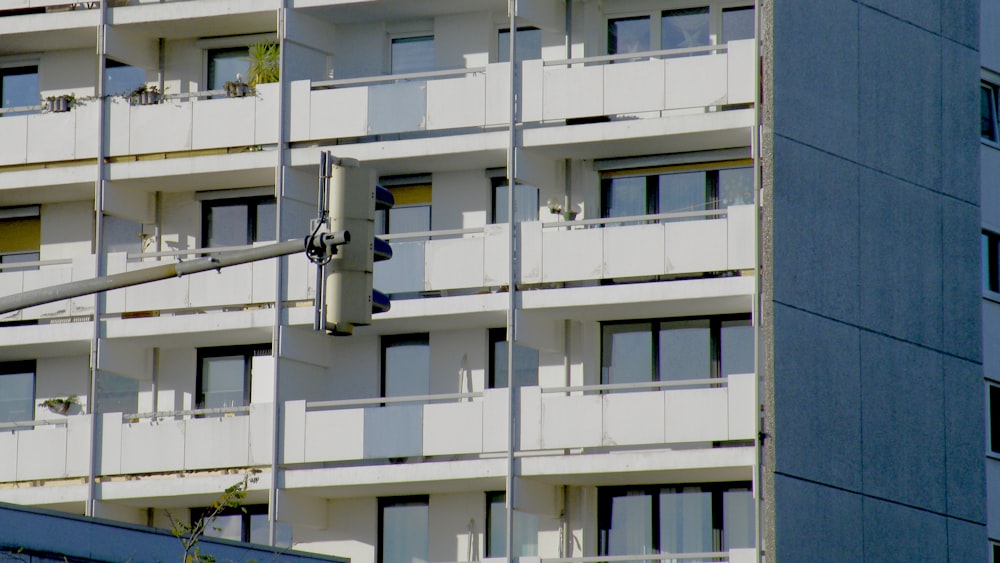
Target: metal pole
x=512 y=402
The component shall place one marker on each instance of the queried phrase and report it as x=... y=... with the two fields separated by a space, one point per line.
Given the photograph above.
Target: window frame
x=494 y=337
x=30 y=218
x=248 y=351
x=715 y=341
x=992 y=89
x=20 y=367
x=387 y=341
x=500 y=53
x=715 y=28
x=990 y=266
x=252 y=203
x=497 y=182
x=716 y=489
x=993 y=419
x=713 y=184
x=16 y=68
x=387 y=502
x=211 y=52
x=410 y=37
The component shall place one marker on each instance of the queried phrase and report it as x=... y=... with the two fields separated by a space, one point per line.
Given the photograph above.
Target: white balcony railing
x=45 y=449
x=47 y=273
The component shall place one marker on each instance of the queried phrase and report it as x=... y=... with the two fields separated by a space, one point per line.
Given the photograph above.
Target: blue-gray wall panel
x=900 y=259
x=823 y=524
x=965 y=439
x=900 y=94
x=817 y=98
x=902 y=414
x=967 y=542
x=960 y=121
x=816 y=369
x=961 y=285
x=923 y=13
x=896 y=533
x=960 y=21
x=816 y=243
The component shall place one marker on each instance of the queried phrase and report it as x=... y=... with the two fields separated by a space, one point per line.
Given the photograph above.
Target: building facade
x=696 y=327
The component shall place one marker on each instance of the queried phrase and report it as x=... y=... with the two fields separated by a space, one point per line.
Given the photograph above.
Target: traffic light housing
x=353 y=199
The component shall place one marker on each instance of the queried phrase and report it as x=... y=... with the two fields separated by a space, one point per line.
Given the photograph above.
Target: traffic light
x=354 y=197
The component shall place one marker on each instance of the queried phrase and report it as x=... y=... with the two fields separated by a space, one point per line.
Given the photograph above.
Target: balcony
x=592 y=249
x=47 y=273
x=49 y=137
x=45 y=449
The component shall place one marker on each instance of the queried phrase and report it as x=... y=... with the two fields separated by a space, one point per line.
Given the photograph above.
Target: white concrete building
x=726 y=346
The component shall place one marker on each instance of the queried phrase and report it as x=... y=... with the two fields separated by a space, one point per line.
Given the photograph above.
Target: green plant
x=144 y=95
x=60 y=103
x=190 y=534
x=60 y=405
x=263 y=63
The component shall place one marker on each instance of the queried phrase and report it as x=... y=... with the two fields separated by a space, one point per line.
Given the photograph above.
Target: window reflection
x=404 y=530
x=406 y=365
x=628 y=35
x=737 y=23
x=680 y=29
x=528 y=46
x=17 y=391
x=19 y=87
x=525 y=362
x=412 y=54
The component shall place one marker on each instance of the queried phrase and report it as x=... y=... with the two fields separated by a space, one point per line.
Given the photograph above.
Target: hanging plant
x=59 y=405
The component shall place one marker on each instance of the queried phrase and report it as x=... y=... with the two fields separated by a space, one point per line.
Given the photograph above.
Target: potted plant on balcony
x=263 y=63
x=60 y=104
x=145 y=95
x=556 y=208
x=59 y=405
x=237 y=88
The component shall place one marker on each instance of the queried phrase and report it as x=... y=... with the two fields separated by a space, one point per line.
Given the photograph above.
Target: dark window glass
x=628 y=354
x=403 y=530
x=19 y=87
x=994 y=419
x=224 y=375
x=247 y=524
x=623 y=195
x=684 y=28
x=686 y=191
x=685 y=350
x=238 y=221
x=121 y=78
x=988 y=111
x=525 y=528
x=628 y=35
x=736 y=347
x=526 y=201
x=406 y=365
x=528 y=47
x=990 y=261
x=525 y=362
x=627 y=197
x=17 y=391
x=225 y=64
x=412 y=54
x=737 y=23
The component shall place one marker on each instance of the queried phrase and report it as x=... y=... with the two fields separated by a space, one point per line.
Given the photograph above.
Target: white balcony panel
x=393 y=431
x=294 y=429
x=406 y=271
x=301 y=279
x=498 y=94
x=456 y=102
x=495 y=424
x=743 y=555
x=46 y=277
x=531 y=252
x=165 y=294
x=120 y=115
x=742 y=406
x=335 y=435
x=266 y=114
x=160 y=128
x=573 y=92
x=696 y=246
x=741 y=243
x=695 y=82
x=8 y=463
x=634 y=250
x=217 y=442
x=453 y=428
x=696 y=415
x=300 y=99
x=262 y=275
x=530 y=424
x=741 y=70
x=571 y=422
x=532 y=87
x=41 y=453
x=261 y=416
x=226 y=286
x=148 y=447
x=13 y=139
x=633 y=87
x=51 y=136
x=496 y=248
x=340 y=112
x=572 y=255
x=444 y=258
x=633 y=418
x=87 y=116
x=397 y=108
x=226 y=122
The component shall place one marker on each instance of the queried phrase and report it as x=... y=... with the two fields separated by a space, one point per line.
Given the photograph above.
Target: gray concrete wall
x=870 y=282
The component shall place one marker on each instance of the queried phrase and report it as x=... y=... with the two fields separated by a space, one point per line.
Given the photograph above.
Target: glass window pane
x=525 y=534
x=497 y=541
x=682 y=192
x=116 y=393
x=525 y=365
x=17 y=258
x=631 y=530
x=736 y=347
x=407 y=368
x=686 y=521
x=526 y=203
x=685 y=350
x=994 y=418
x=735 y=187
x=528 y=47
x=684 y=28
x=265 y=229
x=627 y=356
x=225 y=64
x=404 y=533
x=738 y=520
x=737 y=23
x=988 y=112
x=625 y=197
x=227 y=526
x=227 y=225
x=412 y=54
x=19 y=87
x=628 y=35
x=17 y=397
x=260 y=531
x=222 y=382
x=121 y=78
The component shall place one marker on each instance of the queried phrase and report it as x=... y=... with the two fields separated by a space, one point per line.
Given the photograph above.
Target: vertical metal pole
x=319 y=318
x=512 y=395
x=758 y=484
x=99 y=262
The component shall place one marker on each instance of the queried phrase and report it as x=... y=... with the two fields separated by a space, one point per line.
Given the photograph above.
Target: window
x=412 y=54
x=225 y=64
x=526 y=201
x=675 y=518
x=20 y=237
x=239 y=221
x=988 y=111
x=525 y=528
x=410 y=214
x=19 y=87
x=688 y=27
x=626 y=193
x=682 y=28
x=528 y=47
x=247 y=524
x=525 y=362
x=406 y=365
x=676 y=349
x=994 y=398
x=17 y=391
x=737 y=23
x=224 y=375
x=990 y=262
x=403 y=529
x=121 y=78
x=628 y=35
